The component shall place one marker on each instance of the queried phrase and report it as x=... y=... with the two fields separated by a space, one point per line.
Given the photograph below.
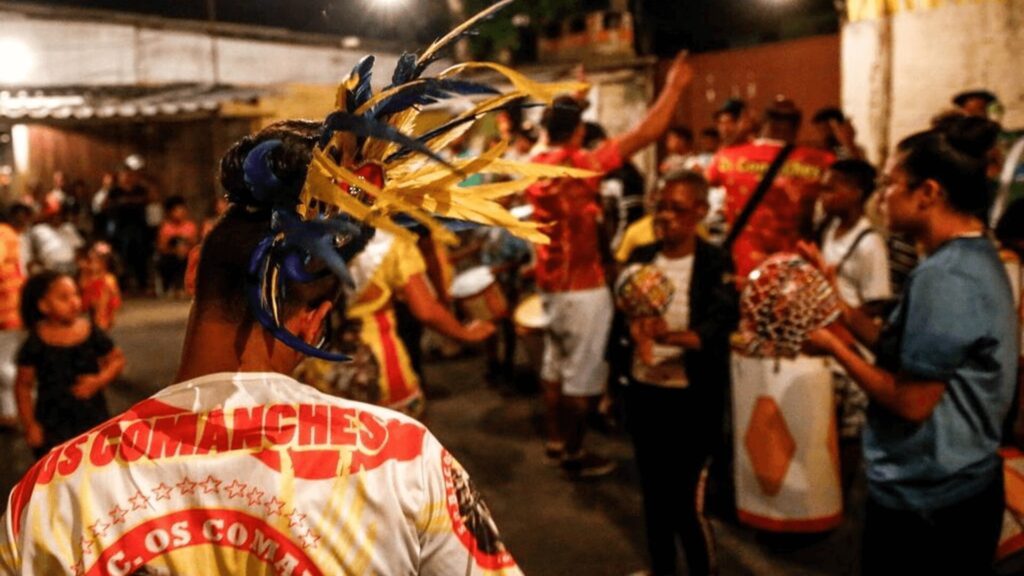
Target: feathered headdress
x=370 y=168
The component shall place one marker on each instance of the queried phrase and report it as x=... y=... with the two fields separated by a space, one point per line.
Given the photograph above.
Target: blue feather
x=363 y=90
x=427 y=91
x=404 y=69
x=365 y=127
x=259 y=264
x=452 y=124
x=453 y=224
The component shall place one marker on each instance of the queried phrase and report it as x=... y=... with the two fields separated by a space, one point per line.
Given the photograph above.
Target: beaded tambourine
x=784 y=300
x=643 y=291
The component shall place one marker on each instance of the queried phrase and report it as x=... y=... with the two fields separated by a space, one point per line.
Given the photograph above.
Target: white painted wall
x=936 y=53
x=70 y=52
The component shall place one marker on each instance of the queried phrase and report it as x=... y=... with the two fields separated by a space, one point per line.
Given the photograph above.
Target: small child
x=69 y=359
x=101 y=295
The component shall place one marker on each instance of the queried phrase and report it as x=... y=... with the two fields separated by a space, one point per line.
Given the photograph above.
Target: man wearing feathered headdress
x=239 y=469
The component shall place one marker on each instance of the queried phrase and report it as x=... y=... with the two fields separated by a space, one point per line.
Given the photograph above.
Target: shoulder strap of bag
x=755 y=199
x=853 y=246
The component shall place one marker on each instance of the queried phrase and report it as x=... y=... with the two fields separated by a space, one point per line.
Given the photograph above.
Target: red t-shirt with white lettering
x=784 y=214
x=250 y=473
x=571 y=210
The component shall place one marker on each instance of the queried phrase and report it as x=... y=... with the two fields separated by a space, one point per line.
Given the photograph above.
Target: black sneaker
x=587 y=465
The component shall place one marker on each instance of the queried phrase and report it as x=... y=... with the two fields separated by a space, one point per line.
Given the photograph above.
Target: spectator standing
x=177 y=235
x=837 y=134
x=99 y=208
x=54 y=241
x=129 y=231
x=101 y=296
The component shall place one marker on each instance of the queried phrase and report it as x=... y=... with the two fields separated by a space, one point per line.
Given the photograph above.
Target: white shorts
x=575 y=340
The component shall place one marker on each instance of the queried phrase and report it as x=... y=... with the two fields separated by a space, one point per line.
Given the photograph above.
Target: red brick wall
x=805 y=70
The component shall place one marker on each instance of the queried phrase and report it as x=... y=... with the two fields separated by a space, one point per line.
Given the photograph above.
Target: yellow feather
x=546 y=91
x=455 y=32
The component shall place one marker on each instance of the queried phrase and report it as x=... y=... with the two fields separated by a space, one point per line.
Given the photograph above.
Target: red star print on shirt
x=139 y=501
x=236 y=489
x=211 y=485
x=255 y=496
x=162 y=492
x=295 y=518
x=99 y=527
x=117 y=515
x=187 y=486
x=309 y=539
x=273 y=506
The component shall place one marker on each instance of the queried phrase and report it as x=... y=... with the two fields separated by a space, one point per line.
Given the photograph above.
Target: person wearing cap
x=975 y=102
x=785 y=213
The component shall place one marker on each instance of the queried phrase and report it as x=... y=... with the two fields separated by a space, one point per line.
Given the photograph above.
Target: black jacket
x=714 y=315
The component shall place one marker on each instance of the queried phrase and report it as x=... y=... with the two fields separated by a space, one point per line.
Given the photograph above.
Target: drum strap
x=755 y=199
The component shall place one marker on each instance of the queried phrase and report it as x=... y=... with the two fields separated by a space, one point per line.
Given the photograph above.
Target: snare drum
x=478 y=295
x=530 y=321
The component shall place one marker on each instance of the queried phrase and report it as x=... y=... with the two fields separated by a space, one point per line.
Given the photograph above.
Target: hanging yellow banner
x=871 y=9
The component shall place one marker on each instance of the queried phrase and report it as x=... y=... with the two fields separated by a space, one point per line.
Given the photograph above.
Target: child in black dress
x=70 y=359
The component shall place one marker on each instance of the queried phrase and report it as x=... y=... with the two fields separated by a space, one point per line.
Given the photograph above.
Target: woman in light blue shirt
x=944 y=377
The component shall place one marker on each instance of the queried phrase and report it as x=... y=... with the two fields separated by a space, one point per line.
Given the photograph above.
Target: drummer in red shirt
x=570 y=272
x=784 y=215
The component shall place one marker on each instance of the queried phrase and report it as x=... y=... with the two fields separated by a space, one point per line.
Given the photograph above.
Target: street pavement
x=552 y=525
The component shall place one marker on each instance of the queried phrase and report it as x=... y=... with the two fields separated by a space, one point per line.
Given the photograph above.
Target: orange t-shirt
x=571 y=210
x=784 y=214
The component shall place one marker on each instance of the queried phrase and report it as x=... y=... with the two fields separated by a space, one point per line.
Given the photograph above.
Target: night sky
x=663 y=26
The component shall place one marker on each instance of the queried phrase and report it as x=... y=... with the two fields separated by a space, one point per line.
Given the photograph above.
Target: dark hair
x=561 y=119
x=688 y=178
x=953 y=154
x=288 y=162
x=593 y=134
x=35 y=289
x=682 y=132
x=224 y=258
x=783 y=110
x=710 y=132
x=173 y=202
x=857 y=172
x=828 y=114
x=733 y=107
x=962 y=98
x=1011 y=223
x=19 y=208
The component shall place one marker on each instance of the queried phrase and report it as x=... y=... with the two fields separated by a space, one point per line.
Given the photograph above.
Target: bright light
x=19 y=144
x=16 y=61
x=388 y=4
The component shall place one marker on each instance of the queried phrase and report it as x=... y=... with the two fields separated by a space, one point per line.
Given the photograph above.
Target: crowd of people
x=926 y=350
